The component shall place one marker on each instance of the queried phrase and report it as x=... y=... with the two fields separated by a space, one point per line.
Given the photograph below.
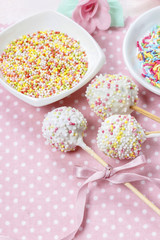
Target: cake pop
x=114 y=94
x=121 y=137
x=64 y=128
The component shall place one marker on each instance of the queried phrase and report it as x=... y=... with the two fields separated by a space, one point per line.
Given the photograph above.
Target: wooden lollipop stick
x=146 y=113
x=152 y=132
x=128 y=185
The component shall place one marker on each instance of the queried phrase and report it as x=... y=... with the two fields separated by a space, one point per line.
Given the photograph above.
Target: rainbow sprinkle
x=43 y=64
x=149 y=56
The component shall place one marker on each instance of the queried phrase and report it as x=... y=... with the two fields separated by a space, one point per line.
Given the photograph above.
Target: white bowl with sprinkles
x=139 y=51
x=47 y=57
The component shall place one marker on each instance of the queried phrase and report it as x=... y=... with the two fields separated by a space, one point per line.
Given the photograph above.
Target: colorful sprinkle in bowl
x=136 y=32
x=50 y=20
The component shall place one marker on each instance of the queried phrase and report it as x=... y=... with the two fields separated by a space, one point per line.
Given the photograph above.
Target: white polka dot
x=89 y=236
x=136 y=219
x=156 y=153
x=72 y=221
x=91 y=114
x=103 y=205
x=96 y=228
x=48 y=199
x=128 y=211
x=127 y=196
x=55 y=222
x=145 y=226
x=84 y=107
x=144 y=211
x=76 y=101
x=64 y=229
x=105 y=235
x=64 y=214
x=39 y=192
x=7 y=179
x=71 y=191
x=154 y=125
x=111 y=56
x=112 y=212
x=55 y=178
x=103 y=37
x=30 y=116
x=8 y=97
x=119 y=62
x=110 y=43
x=111 y=197
x=48 y=214
x=47 y=170
x=113 y=227
x=120 y=219
x=96 y=213
x=23 y=223
x=86 y=163
x=15 y=171
x=63 y=184
x=153 y=219
x=7 y=193
x=92 y=127
x=23 y=193
x=135 y=204
x=111 y=68
x=121 y=235
x=7 y=223
x=119 y=190
x=93 y=141
x=119 y=204
x=148 y=146
x=63 y=170
x=15 y=215
x=144 y=105
x=137 y=234
x=95 y=198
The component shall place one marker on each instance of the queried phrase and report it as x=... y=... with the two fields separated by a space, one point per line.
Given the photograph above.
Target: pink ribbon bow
x=114 y=175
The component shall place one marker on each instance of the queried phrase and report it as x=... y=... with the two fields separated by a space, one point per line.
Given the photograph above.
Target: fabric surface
x=37 y=185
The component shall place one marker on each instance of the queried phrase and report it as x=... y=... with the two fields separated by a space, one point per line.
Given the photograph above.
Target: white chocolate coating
x=63 y=127
x=120 y=137
x=111 y=94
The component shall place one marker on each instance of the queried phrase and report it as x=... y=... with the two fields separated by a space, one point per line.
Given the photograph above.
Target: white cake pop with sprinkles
x=111 y=94
x=63 y=127
x=120 y=137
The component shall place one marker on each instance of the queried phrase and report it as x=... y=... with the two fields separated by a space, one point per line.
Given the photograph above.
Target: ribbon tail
x=81 y=202
x=132 y=177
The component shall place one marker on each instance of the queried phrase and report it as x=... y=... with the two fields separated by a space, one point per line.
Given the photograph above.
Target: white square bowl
x=50 y=20
x=136 y=32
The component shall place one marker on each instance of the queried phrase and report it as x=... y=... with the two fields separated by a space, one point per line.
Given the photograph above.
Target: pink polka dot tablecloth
x=37 y=186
